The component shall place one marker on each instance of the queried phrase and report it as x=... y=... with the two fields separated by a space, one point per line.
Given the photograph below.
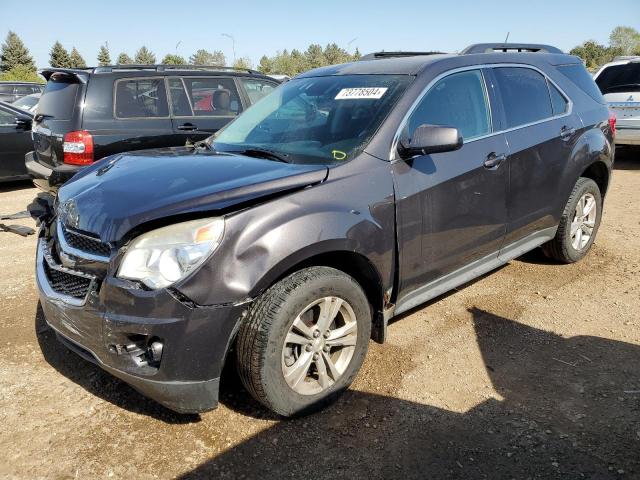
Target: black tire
x=561 y=248
x=262 y=337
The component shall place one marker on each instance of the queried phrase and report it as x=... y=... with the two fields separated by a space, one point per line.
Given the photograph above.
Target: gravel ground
x=532 y=371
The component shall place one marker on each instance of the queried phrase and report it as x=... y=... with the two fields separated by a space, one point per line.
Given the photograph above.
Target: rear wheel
x=578 y=225
x=304 y=340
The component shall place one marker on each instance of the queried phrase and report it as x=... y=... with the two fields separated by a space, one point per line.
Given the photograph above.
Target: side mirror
x=430 y=139
x=23 y=123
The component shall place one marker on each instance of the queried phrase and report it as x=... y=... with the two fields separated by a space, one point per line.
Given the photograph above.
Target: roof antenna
x=507 y=39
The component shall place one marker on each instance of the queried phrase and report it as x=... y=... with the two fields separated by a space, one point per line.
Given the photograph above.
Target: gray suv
x=347 y=196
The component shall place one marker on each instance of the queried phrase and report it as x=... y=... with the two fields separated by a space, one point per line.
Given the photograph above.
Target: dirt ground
x=532 y=371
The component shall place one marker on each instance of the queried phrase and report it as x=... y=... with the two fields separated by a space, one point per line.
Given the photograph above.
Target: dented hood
x=122 y=192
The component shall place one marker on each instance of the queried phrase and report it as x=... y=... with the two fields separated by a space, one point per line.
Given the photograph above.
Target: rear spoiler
x=80 y=74
x=509 y=47
x=380 y=55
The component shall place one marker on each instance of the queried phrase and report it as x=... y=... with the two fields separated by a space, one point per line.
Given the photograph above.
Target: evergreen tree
x=173 y=59
x=124 y=59
x=242 y=63
x=144 y=56
x=13 y=53
x=59 y=57
x=76 y=60
x=204 y=57
x=20 y=73
x=266 y=65
x=103 y=56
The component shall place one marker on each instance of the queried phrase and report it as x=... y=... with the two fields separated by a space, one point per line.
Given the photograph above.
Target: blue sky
x=261 y=27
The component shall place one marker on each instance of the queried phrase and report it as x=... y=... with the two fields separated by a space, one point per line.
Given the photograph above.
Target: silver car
x=619 y=82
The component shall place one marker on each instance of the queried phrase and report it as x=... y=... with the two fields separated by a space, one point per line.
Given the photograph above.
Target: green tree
x=144 y=56
x=315 y=56
x=124 y=59
x=13 y=53
x=594 y=54
x=58 y=56
x=103 y=56
x=173 y=59
x=266 y=65
x=21 y=73
x=76 y=60
x=626 y=39
x=204 y=57
x=242 y=63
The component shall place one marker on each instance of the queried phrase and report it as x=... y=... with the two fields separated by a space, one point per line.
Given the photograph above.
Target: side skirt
x=469 y=272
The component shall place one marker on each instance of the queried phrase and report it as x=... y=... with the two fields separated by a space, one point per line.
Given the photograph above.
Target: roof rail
x=626 y=57
x=380 y=55
x=509 y=47
x=164 y=67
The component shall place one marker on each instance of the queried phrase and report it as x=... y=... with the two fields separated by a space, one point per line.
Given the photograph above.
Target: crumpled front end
x=165 y=346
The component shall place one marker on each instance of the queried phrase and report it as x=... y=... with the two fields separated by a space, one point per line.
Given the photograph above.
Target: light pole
x=233 y=45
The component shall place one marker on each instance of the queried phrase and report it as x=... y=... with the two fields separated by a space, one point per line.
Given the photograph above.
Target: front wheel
x=579 y=223
x=304 y=340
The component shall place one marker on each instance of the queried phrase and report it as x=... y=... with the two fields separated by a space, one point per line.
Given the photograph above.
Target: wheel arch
x=599 y=173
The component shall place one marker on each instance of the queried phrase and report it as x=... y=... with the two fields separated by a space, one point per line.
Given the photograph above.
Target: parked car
x=15 y=141
x=86 y=114
x=12 y=91
x=619 y=82
x=28 y=102
x=350 y=195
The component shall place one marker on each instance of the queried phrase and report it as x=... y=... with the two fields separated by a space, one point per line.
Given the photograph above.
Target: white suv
x=619 y=82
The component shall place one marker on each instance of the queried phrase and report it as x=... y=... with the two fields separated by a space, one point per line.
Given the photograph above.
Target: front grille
x=85 y=243
x=66 y=283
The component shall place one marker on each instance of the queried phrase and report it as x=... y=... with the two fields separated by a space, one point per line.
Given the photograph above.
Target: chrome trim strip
x=425 y=90
x=74 y=251
x=43 y=255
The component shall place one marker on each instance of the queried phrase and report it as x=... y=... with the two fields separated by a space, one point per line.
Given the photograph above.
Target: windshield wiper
x=263 y=153
x=622 y=87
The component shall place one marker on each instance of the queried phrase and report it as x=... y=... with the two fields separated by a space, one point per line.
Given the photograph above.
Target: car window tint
x=583 y=79
x=525 y=95
x=256 y=89
x=213 y=96
x=59 y=97
x=620 y=78
x=458 y=100
x=23 y=89
x=558 y=102
x=6 y=88
x=141 y=98
x=180 y=104
x=7 y=118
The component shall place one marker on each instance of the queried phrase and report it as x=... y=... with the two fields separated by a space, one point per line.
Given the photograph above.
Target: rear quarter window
x=582 y=79
x=59 y=98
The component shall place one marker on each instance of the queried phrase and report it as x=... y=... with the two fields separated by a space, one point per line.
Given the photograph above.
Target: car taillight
x=78 y=148
x=612 y=123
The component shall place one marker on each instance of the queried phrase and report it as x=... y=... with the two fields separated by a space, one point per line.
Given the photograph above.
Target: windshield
x=620 y=78
x=315 y=120
x=27 y=102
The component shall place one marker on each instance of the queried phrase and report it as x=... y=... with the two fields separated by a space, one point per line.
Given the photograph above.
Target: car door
x=15 y=142
x=200 y=106
x=451 y=207
x=541 y=131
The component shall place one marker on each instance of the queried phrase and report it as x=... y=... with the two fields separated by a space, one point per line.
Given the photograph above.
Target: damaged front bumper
x=166 y=348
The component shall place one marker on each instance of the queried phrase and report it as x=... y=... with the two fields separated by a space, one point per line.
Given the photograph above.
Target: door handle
x=494 y=160
x=566 y=132
x=187 y=127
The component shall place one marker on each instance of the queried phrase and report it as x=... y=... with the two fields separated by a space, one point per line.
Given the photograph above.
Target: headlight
x=161 y=257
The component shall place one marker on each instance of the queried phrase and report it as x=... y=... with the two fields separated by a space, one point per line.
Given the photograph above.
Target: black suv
x=12 y=91
x=84 y=115
x=349 y=195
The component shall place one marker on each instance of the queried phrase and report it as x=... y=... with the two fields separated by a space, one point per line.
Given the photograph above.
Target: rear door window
x=212 y=97
x=59 y=98
x=141 y=98
x=256 y=88
x=458 y=100
x=524 y=94
x=23 y=90
x=180 y=102
x=620 y=78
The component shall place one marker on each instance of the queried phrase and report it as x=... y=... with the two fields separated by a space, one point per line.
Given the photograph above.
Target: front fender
x=350 y=212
